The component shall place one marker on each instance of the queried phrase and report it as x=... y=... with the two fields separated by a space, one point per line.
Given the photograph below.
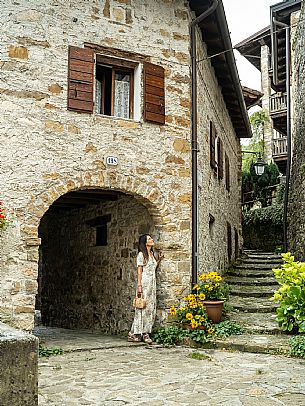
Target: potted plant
x=191 y=314
x=215 y=291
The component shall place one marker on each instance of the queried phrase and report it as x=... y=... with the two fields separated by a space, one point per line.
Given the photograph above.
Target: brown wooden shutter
x=154 y=94
x=212 y=145
x=80 y=79
x=220 y=158
x=227 y=169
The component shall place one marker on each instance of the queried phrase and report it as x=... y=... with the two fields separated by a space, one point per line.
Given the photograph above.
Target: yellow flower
x=210 y=288
x=197 y=317
x=218 y=278
x=202 y=277
x=189 y=316
x=173 y=311
x=206 y=286
x=216 y=285
x=196 y=287
x=202 y=296
x=211 y=330
x=202 y=319
x=194 y=324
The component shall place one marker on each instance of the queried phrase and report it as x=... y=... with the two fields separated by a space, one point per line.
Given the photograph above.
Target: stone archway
x=139 y=195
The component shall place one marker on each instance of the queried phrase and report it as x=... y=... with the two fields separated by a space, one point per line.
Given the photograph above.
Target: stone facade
x=296 y=205
x=48 y=151
x=18 y=368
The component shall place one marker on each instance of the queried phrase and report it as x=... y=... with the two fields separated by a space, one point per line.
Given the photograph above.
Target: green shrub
x=47 y=352
x=291 y=294
x=169 y=335
x=271 y=215
x=297 y=346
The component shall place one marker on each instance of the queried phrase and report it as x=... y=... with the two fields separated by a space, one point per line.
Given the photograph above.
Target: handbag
x=139 y=302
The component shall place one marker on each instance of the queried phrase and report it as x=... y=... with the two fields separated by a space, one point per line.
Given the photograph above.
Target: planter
x=214 y=309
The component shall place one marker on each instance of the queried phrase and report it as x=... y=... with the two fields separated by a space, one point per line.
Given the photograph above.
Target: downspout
x=195 y=244
x=288 y=168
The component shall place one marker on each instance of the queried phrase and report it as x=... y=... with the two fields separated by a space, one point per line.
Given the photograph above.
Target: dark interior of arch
x=87 y=269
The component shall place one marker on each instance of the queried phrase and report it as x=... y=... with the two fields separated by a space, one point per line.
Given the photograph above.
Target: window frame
x=116 y=66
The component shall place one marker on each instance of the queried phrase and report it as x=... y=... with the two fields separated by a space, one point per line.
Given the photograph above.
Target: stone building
x=296 y=204
x=266 y=50
x=96 y=118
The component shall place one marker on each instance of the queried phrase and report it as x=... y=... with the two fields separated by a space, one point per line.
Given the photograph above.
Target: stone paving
x=119 y=373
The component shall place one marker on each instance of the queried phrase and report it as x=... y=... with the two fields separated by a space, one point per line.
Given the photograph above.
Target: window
x=216 y=152
x=229 y=241
x=111 y=86
x=101 y=235
x=227 y=170
x=213 y=146
x=114 y=90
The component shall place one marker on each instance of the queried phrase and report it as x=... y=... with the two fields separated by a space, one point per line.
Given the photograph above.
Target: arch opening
x=86 y=272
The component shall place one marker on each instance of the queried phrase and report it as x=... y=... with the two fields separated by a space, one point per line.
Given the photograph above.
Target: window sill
x=119 y=119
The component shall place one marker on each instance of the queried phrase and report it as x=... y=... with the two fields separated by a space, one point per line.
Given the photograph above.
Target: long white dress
x=144 y=318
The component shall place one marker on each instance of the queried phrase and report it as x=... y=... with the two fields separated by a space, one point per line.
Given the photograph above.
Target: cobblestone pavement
x=168 y=376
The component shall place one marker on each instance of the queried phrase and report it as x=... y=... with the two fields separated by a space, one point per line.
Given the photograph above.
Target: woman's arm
x=140 y=270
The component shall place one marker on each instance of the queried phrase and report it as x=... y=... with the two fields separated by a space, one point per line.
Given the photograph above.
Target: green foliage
x=198 y=355
x=257 y=144
x=291 y=294
x=256 y=187
x=228 y=328
x=280 y=191
x=272 y=215
x=173 y=335
x=297 y=346
x=279 y=249
x=47 y=352
x=169 y=335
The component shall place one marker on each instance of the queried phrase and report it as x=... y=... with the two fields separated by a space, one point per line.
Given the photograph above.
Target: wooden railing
x=279 y=146
x=278 y=103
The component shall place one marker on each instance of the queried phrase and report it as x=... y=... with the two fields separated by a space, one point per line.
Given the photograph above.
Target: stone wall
x=18 y=368
x=215 y=201
x=296 y=206
x=48 y=151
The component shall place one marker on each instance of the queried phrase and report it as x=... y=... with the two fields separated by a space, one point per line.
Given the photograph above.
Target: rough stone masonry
x=48 y=151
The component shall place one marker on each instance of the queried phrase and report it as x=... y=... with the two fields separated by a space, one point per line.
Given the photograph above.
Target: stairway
x=252 y=285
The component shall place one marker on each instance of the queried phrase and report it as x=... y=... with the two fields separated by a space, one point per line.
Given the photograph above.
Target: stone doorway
x=86 y=274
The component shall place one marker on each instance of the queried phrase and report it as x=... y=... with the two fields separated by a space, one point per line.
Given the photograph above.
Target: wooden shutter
x=227 y=169
x=80 y=79
x=220 y=158
x=154 y=94
x=212 y=145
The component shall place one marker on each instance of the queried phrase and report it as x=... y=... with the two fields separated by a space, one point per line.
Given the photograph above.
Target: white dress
x=144 y=318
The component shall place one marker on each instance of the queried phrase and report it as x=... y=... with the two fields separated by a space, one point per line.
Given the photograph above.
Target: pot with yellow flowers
x=215 y=292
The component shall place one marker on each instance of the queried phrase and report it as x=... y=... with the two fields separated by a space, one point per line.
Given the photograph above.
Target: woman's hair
x=142 y=247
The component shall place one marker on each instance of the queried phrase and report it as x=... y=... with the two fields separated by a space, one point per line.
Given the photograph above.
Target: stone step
x=255 y=266
x=252 y=304
x=253 y=291
x=251 y=280
x=265 y=255
x=255 y=261
x=257 y=343
x=256 y=323
x=261 y=253
x=249 y=273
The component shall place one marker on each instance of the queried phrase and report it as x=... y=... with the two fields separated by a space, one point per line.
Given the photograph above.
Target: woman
x=146 y=266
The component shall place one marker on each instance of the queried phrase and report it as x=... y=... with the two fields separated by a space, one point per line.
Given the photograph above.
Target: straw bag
x=139 y=302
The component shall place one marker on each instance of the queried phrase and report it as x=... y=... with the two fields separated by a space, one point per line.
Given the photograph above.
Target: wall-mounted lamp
x=260 y=164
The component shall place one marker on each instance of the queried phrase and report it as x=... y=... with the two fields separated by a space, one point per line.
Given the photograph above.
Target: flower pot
x=214 y=309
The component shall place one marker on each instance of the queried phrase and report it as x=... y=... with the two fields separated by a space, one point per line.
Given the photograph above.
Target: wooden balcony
x=278 y=104
x=279 y=147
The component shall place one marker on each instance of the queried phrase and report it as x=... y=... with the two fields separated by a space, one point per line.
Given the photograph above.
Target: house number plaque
x=112 y=160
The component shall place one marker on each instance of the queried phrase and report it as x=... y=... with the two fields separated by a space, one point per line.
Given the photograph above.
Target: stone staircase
x=252 y=284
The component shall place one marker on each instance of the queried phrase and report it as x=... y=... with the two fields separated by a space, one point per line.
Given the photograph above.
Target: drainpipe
x=195 y=205
x=288 y=63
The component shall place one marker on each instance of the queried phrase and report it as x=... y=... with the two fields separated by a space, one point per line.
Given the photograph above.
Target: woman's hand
x=139 y=290
x=160 y=257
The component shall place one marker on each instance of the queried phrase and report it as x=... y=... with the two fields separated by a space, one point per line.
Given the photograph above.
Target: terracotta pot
x=214 y=309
